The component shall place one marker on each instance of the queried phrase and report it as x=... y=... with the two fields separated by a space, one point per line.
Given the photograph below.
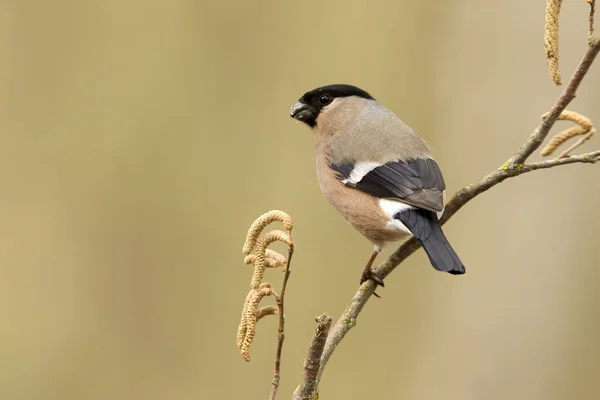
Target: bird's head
x=317 y=101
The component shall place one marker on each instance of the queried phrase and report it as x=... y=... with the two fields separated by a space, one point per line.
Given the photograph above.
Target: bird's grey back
x=377 y=134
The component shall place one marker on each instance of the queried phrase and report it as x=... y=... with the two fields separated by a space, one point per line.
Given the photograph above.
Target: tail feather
x=441 y=255
x=425 y=227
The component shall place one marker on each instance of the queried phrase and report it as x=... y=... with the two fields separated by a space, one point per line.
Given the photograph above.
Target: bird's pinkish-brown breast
x=361 y=210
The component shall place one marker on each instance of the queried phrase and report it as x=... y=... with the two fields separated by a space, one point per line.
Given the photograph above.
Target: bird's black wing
x=418 y=181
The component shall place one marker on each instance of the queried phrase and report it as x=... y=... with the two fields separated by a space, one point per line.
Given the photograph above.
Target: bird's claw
x=369 y=274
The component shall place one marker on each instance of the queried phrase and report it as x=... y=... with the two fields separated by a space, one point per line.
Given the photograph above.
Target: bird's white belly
x=390 y=209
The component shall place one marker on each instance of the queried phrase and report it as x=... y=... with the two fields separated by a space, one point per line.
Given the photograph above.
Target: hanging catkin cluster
x=584 y=127
x=551 y=39
x=255 y=249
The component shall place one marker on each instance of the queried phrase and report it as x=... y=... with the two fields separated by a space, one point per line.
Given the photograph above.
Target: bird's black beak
x=301 y=112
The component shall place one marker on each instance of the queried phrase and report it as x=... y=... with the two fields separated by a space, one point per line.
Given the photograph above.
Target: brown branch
x=280 y=330
x=307 y=390
x=514 y=167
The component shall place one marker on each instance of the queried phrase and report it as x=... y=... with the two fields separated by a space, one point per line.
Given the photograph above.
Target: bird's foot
x=369 y=274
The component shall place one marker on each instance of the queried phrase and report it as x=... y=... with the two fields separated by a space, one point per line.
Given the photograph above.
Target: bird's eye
x=325 y=99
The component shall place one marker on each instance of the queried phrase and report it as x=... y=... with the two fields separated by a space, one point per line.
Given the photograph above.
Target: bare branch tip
x=323 y=323
x=309 y=387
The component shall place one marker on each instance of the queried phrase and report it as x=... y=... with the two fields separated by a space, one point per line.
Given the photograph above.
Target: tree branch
x=308 y=387
x=281 y=326
x=513 y=167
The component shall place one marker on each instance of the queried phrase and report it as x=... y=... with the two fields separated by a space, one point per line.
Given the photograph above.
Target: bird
x=377 y=173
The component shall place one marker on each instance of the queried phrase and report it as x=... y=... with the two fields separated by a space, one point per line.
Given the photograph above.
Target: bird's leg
x=368 y=273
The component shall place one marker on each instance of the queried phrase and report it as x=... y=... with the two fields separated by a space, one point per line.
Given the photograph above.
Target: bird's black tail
x=426 y=229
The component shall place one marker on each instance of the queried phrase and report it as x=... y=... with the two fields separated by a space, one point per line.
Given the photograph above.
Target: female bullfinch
x=377 y=172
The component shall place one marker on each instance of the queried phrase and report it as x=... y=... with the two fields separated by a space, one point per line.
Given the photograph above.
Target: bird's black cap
x=337 y=90
x=310 y=104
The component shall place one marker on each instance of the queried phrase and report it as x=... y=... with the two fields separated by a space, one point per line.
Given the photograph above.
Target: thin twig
x=592 y=157
x=591 y=18
x=514 y=167
x=307 y=389
x=281 y=330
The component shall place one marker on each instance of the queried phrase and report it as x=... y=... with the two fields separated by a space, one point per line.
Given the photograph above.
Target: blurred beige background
x=139 y=139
